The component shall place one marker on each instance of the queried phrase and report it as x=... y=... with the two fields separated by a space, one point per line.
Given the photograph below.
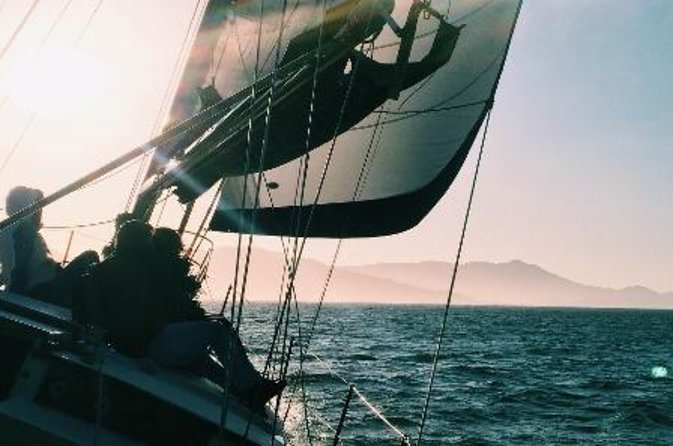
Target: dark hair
x=134 y=237
x=167 y=241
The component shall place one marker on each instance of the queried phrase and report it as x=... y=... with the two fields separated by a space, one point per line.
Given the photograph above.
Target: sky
x=576 y=175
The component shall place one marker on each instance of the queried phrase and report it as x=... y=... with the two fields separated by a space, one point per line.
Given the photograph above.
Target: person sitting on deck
x=27 y=266
x=143 y=296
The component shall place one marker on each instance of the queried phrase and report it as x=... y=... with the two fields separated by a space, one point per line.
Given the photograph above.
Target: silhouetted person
x=27 y=266
x=337 y=98
x=144 y=298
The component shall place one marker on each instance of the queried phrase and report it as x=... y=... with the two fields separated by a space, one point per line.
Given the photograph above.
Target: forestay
x=388 y=133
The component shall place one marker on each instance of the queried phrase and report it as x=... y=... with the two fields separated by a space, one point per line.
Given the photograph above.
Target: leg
x=246 y=381
x=231 y=353
x=180 y=344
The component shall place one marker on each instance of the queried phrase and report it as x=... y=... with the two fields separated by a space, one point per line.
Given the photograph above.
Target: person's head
x=21 y=197
x=134 y=238
x=167 y=242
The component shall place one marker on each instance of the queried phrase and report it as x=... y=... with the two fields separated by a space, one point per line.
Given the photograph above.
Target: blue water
x=506 y=375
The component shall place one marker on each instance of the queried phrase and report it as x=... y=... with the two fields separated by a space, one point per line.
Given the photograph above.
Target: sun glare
x=58 y=81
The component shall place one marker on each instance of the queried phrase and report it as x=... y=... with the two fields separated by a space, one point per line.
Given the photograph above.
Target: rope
x=298 y=253
x=267 y=124
x=40 y=46
x=18 y=29
x=253 y=95
x=89 y=21
x=259 y=179
x=83 y=225
x=170 y=86
x=442 y=332
x=368 y=404
x=18 y=142
x=59 y=17
x=359 y=187
x=378 y=413
x=326 y=165
x=303 y=166
x=202 y=224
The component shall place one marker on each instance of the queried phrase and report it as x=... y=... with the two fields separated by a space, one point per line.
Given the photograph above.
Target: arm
x=440 y=53
x=387 y=75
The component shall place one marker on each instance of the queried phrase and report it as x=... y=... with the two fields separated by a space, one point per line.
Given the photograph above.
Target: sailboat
x=301 y=119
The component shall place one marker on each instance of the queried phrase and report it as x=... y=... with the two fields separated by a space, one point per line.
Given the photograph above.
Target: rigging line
x=284 y=24
x=88 y=23
x=432 y=110
x=164 y=202
x=260 y=175
x=368 y=404
x=246 y=171
x=362 y=179
x=453 y=96
x=83 y=225
x=293 y=272
x=359 y=187
x=18 y=142
x=303 y=166
x=291 y=292
x=277 y=332
x=202 y=224
x=137 y=180
x=328 y=160
x=418 y=88
x=178 y=66
x=278 y=317
x=476 y=10
x=173 y=79
x=264 y=147
x=43 y=41
x=114 y=173
x=378 y=413
x=285 y=362
x=284 y=358
x=59 y=17
x=169 y=135
x=18 y=29
x=219 y=60
x=41 y=45
x=453 y=22
x=302 y=377
x=240 y=48
x=454 y=274
x=437 y=106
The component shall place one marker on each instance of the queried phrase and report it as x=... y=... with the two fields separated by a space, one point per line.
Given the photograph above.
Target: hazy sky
x=576 y=175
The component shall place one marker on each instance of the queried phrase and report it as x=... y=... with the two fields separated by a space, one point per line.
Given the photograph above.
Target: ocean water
x=507 y=376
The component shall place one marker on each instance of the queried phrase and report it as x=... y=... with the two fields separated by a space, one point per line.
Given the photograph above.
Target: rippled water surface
x=506 y=375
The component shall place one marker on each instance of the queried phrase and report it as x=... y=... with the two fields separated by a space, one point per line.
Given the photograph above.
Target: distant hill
x=479 y=283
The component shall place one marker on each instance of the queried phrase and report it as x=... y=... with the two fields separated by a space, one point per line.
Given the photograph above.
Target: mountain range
x=513 y=283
